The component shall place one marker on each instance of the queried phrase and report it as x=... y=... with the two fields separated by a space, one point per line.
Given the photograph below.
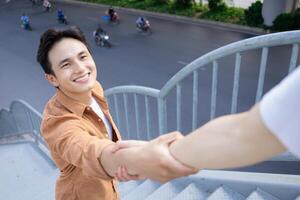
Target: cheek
x=92 y=64
x=64 y=75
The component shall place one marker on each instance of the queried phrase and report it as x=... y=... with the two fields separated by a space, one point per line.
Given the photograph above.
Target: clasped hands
x=137 y=160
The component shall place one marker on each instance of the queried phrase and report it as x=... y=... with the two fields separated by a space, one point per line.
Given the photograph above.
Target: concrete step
x=192 y=192
x=167 y=191
x=142 y=191
x=225 y=193
x=258 y=194
x=125 y=188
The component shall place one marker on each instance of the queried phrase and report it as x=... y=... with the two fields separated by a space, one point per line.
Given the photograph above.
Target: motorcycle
x=26 y=26
x=47 y=6
x=102 y=39
x=146 y=28
x=63 y=20
x=114 y=19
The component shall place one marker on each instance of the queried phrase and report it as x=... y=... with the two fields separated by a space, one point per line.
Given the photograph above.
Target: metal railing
x=133 y=116
x=22 y=120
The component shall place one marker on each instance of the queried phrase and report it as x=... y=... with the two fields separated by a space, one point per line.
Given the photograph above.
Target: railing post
x=214 y=89
x=262 y=72
x=162 y=115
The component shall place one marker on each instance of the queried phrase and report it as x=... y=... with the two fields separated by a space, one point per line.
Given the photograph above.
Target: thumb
x=168 y=138
x=126 y=144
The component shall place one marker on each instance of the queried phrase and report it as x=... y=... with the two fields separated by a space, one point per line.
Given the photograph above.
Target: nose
x=79 y=66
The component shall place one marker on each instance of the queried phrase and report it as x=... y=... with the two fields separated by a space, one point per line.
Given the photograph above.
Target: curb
x=202 y=22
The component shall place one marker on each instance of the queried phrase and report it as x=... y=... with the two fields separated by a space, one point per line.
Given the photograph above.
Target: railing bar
x=117 y=109
x=147 y=116
x=294 y=56
x=195 y=99
x=28 y=118
x=262 y=72
x=125 y=98
x=178 y=106
x=235 y=90
x=214 y=90
x=162 y=115
x=137 y=115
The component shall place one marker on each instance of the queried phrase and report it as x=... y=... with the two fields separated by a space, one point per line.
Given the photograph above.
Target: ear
x=52 y=80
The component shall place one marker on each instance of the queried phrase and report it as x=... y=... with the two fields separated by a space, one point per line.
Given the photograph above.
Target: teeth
x=82 y=77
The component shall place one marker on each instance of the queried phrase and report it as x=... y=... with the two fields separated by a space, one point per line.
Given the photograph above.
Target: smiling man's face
x=73 y=66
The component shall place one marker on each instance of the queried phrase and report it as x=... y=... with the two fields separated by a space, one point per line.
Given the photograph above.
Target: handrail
x=269 y=40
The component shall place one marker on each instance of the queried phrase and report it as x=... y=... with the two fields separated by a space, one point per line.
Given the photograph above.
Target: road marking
x=92 y=18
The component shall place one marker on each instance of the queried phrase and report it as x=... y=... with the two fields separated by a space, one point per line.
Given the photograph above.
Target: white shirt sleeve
x=280 y=112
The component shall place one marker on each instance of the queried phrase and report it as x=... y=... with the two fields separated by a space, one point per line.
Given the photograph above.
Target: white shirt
x=97 y=109
x=280 y=112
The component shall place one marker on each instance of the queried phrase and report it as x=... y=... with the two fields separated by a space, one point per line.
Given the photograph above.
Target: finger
x=178 y=169
x=121 y=145
x=134 y=177
x=168 y=138
x=126 y=144
x=125 y=174
x=127 y=177
x=118 y=174
x=122 y=174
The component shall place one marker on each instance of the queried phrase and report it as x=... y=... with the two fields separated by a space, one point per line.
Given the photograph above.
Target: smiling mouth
x=83 y=78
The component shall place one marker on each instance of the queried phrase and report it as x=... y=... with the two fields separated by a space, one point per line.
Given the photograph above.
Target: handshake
x=135 y=160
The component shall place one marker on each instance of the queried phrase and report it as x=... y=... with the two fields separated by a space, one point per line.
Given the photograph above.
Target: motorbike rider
x=25 y=21
x=141 y=22
x=47 y=5
x=60 y=15
x=101 y=37
x=99 y=31
x=111 y=12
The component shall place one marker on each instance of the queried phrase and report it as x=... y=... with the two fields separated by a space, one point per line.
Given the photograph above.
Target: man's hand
x=111 y=163
x=152 y=160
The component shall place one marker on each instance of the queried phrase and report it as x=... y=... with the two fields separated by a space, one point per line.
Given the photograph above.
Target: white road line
x=93 y=19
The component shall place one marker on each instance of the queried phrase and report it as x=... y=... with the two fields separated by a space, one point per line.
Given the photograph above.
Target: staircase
x=216 y=185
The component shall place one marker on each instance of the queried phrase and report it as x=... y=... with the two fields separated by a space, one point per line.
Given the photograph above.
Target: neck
x=85 y=98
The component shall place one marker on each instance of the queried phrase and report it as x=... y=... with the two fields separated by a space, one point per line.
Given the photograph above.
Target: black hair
x=50 y=38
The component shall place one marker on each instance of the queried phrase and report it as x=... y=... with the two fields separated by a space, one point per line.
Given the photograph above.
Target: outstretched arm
x=150 y=159
x=229 y=141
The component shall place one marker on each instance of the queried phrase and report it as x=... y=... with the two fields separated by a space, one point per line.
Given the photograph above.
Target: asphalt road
x=134 y=59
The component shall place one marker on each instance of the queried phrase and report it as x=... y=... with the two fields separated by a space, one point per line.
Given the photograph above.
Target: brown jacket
x=76 y=137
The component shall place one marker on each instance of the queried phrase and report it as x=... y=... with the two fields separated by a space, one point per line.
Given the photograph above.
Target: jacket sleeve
x=67 y=137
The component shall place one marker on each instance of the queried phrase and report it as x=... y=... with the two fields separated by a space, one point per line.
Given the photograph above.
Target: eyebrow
x=82 y=52
x=64 y=60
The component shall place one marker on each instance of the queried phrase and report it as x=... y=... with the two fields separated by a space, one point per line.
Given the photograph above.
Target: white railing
x=135 y=118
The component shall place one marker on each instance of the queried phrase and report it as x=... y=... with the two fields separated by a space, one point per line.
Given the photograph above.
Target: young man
x=77 y=126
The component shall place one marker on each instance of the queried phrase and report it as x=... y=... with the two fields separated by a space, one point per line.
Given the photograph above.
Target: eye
x=82 y=57
x=65 y=65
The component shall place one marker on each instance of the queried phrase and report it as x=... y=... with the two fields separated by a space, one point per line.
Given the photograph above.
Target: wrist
x=108 y=161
